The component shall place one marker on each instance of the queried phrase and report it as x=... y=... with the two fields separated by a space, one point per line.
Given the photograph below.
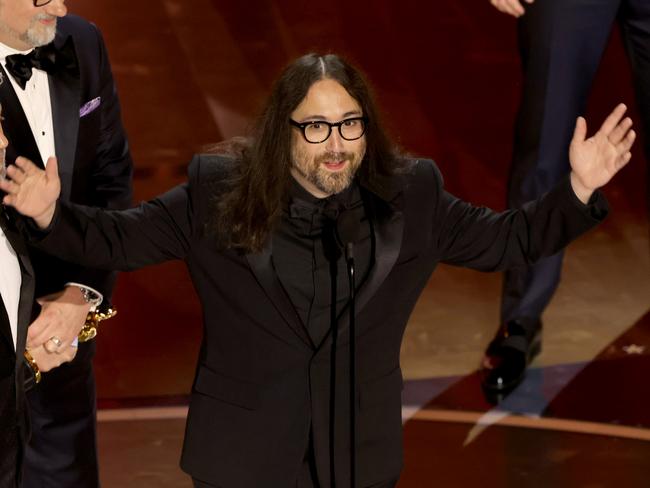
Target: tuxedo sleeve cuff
x=35 y=233
x=595 y=210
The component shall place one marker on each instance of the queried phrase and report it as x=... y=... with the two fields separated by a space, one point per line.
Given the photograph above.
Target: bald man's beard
x=329 y=182
x=38 y=34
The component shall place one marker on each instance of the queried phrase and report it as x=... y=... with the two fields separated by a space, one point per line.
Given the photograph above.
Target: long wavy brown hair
x=248 y=208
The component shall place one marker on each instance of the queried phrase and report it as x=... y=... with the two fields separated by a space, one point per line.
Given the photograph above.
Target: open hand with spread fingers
x=32 y=191
x=594 y=161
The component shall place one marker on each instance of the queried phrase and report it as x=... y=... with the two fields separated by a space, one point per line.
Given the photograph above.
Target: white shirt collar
x=8 y=51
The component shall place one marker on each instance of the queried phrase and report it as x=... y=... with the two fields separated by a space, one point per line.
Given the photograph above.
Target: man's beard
x=329 y=182
x=38 y=34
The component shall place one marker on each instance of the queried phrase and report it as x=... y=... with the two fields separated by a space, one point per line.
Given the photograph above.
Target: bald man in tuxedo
x=17 y=372
x=60 y=99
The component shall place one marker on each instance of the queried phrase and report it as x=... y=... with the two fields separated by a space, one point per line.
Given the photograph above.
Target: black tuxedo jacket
x=94 y=161
x=95 y=168
x=261 y=387
x=13 y=370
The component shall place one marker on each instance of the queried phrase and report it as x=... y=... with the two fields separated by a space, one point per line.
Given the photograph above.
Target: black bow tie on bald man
x=47 y=58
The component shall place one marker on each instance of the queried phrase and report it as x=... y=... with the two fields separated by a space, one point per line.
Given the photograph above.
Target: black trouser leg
x=561 y=44
x=634 y=18
x=62 y=452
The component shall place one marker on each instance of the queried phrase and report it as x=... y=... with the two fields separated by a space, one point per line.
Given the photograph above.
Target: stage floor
x=446 y=74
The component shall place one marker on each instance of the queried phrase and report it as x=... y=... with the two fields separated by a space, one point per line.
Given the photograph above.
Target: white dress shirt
x=10 y=281
x=36 y=104
x=35 y=100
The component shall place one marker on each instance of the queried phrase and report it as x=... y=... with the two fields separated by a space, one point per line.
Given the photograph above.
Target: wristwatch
x=91 y=297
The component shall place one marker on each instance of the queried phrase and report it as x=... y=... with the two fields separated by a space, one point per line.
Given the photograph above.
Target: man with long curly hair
x=261 y=236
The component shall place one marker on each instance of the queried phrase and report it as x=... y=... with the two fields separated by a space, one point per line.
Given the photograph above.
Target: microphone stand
x=335 y=333
x=349 y=257
x=346 y=231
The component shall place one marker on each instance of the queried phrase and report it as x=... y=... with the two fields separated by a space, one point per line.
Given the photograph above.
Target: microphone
x=346 y=232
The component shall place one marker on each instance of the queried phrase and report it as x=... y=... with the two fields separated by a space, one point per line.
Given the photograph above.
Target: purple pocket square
x=90 y=106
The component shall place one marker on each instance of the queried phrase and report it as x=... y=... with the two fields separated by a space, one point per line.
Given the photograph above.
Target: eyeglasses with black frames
x=317 y=131
x=41 y=3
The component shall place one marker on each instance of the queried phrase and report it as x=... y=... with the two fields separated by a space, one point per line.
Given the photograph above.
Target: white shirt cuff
x=94 y=303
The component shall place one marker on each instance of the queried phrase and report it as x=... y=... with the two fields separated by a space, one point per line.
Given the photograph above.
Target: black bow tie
x=299 y=209
x=47 y=58
x=310 y=218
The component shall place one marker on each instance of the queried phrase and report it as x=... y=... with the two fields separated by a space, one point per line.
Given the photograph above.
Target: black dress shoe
x=508 y=355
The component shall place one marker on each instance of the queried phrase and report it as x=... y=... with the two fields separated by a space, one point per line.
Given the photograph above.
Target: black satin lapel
x=16 y=127
x=5 y=328
x=26 y=287
x=65 y=95
x=262 y=267
x=388 y=242
x=21 y=250
x=25 y=306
